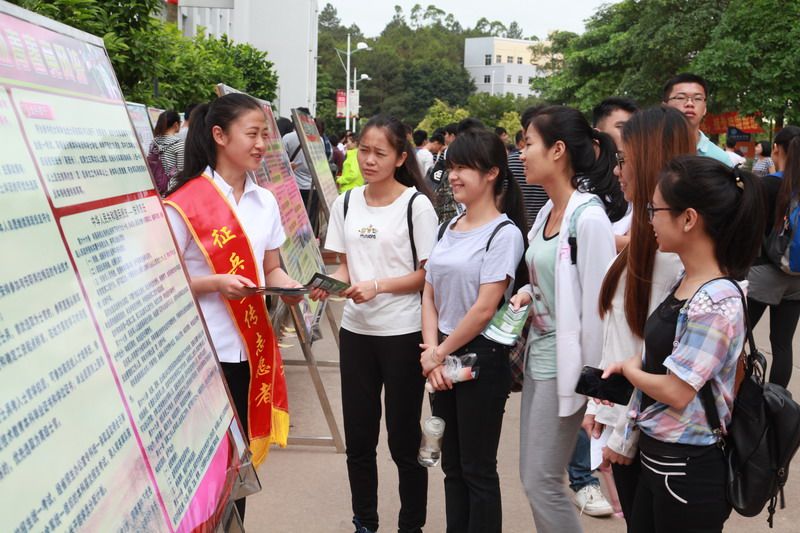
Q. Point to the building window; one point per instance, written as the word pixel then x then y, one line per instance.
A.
pixel 498 58
pixel 519 80
pixel 519 61
pixel 508 78
pixel 487 78
pixel 487 59
pixel 510 59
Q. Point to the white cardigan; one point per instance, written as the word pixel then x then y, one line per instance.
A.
pixel 579 330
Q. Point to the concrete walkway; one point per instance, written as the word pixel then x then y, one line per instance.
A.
pixel 305 489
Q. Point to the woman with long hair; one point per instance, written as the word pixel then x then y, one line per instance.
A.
pixel 769 286
pixel 167 148
pixel 640 276
pixel 762 162
pixel 711 216
pixel 470 272
pixel 571 241
pixel 228 231
pixel 384 232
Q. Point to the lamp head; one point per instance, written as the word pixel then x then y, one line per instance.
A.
pixel 362 46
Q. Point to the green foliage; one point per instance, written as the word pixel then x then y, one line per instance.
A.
pixel 752 65
pixel 154 63
pixel 511 122
pixel 440 115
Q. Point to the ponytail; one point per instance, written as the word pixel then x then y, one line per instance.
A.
pixel 200 147
pixel 592 154
pixel 789 141
pixel 730 202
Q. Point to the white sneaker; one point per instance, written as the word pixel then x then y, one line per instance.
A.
pixel 590 500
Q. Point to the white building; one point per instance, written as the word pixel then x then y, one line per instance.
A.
pixel 286 30
pixel 501 66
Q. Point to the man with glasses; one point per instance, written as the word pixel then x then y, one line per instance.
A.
pixel 688 93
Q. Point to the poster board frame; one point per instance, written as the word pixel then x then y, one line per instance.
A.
pixel 11 86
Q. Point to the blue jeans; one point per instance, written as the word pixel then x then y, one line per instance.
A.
pixel 579 468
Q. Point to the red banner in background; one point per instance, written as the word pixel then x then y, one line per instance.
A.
pixel 716 124
pixel 341 104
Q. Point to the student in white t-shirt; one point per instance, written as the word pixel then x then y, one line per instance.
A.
pixel 382 257
pixel 470 272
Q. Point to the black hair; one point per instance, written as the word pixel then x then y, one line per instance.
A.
pixel 469 123
pixel 729 201
pixel 408 173
pixel 285 125
pixel 482 150
pixel 201 149
pixel 499 130
pixel 789 141
pixel 165 121
pixel 686 77
pixel 304 110
pixel 609 105
pixel 420 136
pixel 592 173
pixel 187 111
pixel 528 115
pixel 519 136
pixel 766 148
pixel 730 143
pixel 451 129
pixel 438 131
pixel 437 138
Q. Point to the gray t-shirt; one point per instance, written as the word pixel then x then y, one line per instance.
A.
pixel 459 264
pixel 301 173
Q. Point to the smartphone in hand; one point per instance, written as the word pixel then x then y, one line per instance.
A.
pixel 615 388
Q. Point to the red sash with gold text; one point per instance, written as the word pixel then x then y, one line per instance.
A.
pixel 219 235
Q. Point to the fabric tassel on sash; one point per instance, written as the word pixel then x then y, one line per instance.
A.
pixel 219 235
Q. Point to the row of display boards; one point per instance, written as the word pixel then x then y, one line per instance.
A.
pixel 114 414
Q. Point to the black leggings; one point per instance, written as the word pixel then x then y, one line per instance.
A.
pixel 782 325
pixel 237 376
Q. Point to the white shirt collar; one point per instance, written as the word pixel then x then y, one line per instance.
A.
pixel 249 185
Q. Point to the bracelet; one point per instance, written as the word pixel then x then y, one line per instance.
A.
pixel 376 286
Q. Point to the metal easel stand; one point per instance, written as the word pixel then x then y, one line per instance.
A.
pixel 313 365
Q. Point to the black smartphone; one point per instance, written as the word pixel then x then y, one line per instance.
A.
pixel 615 388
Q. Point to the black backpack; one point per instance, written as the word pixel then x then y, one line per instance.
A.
pixel 409 220
pixel 762 438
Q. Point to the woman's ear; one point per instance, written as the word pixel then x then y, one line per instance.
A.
pixel 401 159
pixel 218 135
pixel 492 174
pixel 690 219
pixel 559 149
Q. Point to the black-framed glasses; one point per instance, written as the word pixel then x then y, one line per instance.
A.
pixel 620 159
pixel 683 98
pixel 651 211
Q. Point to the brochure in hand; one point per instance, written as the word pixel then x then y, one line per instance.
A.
pixel 327 284
pixel 282 291
pixel 506 325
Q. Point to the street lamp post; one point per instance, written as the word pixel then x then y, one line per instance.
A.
pixel 356 79
pixel 361 45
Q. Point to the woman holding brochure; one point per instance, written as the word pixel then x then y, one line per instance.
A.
pixel 470 272
pixel 228 230
pixel 384 231
pixel 571 242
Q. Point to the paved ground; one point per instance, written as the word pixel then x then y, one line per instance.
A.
pixel 305 489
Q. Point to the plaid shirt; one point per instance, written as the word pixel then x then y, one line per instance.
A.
pixel 709 338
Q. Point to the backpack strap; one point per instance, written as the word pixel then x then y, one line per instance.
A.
pixel 296 151
pixel 573 227
pixel 346 201
pixel 497 229
pixel 410 221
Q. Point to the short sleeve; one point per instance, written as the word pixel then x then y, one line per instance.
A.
pixel 179 228
pixel 425 226
pixel 503 256
pixel 703 349
pixel 334 238
pixel 276 235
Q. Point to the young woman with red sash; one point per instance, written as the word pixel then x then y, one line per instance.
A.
pixel 228 230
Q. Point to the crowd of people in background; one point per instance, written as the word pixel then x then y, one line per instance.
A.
pixel 629 236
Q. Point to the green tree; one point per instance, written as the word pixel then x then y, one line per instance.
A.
pixel 752 66
pixel 511 122
pixel 440 115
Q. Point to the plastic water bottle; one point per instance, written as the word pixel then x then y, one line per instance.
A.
pixel 430 449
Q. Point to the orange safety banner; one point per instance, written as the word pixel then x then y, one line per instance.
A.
pixel 219 235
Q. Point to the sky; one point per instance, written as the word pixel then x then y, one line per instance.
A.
pixel 537 17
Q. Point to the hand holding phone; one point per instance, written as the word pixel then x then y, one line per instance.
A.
pixel 616 388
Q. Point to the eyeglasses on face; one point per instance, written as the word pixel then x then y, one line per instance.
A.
pixel 683 98
pixel 620 159
pixel 651 211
